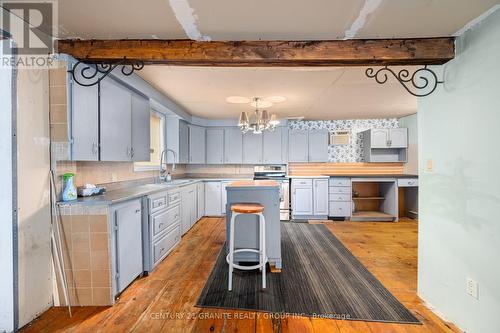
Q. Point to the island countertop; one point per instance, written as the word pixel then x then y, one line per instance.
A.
pixel 253 184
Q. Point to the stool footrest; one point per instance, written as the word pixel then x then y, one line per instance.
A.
pixel 248 268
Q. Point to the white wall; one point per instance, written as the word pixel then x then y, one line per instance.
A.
pixel 459 225
pixel 6 246
pixel 35 275
pixel 411 122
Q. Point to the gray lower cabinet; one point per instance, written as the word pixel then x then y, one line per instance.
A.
pixel 84 122
pixel 164 229
pixel 215 146
pixel 272 147
pixel 340 197
pixel 320 197
pixel 302 197
pixel 115 122
pixel 233 146
pixel 188 207
pixel 197 141
pixel 252 148
pixel 183 142
pixel 318 146
pixel 298 146
pixel 128 243
pixel 200 201
pixel 141 122
pixel 213 198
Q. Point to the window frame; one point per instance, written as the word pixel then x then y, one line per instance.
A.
pixel 163 141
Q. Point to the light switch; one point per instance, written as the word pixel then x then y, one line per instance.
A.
pixel 429 166
pixel 114 177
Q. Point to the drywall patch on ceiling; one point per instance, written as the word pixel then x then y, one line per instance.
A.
pixel 369 7
pixel 477 20
pixel 187 19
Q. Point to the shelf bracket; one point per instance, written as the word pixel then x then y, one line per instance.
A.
pixel 90 74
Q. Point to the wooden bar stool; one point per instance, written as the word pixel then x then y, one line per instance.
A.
pixel 255 209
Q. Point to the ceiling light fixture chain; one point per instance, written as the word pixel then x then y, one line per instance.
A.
pixel 420 83
pixel 88 75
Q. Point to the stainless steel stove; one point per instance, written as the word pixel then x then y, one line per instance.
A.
pixel 279 173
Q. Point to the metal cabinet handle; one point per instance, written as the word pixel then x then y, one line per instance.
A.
pixel 160 225
pixel 137 211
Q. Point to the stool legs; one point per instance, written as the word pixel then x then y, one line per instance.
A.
pixel 231 250
pixel 262 248
pixel 261 251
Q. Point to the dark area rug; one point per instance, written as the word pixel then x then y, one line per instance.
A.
pixel 320 277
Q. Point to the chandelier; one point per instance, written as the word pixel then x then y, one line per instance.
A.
pixel 262 121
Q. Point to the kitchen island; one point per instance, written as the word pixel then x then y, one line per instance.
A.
pixel 266 193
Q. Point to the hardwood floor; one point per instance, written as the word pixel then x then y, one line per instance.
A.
pixel 163 301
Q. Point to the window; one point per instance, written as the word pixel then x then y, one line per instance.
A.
pixel 157 143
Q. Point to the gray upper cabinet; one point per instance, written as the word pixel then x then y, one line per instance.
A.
pixel 379 138
pixel 252 148
pixel 398 137
pixel 272 146
pixel 318 146
pixel 141 141
pixel 115 122
pixel 298 147
pixel 215 146
pixel 233 146
pixel 197 141
pixel 183 142
pixel 84 123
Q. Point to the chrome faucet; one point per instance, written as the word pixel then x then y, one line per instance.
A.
pixel 163 162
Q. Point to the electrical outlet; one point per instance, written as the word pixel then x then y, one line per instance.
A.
pixel 472 288
pixel 429 167
pixel 114 177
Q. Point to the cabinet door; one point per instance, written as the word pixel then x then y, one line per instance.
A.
pixel 200 188
pixel 128 223
pixel 141 136
pixel 320 196
pixel 272 147
pixel 223 197
pixel 298 147
pixel 85 123
pixel 215 146
pixel 379 137
pixel 193 211
pixel 183 142
pixel 398 137
pixel 116 122
pixel 233 146
pixel 252 148
pixel 302 201
pixel 213 199
pixel 318 146
pixel 196 144
pixel 185 210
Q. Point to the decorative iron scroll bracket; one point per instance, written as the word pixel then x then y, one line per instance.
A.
pixel 420 83
pixel 88 75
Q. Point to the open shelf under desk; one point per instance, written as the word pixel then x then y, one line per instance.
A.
pixel 374 216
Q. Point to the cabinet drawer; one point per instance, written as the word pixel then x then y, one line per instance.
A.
pixel 340 209
pixel 164 245
pixel 340 182
pixel 164 219
pixel 408 182
pixel 302 182
pixel 339 190
pixel 340 197
pixel 158 202
pixel 174 197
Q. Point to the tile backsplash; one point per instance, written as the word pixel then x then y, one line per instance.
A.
pixel 353 152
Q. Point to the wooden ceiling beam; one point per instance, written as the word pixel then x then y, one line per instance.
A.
pixel 420 51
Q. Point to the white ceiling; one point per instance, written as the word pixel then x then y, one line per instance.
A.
pixel 266 19
pixel 315 93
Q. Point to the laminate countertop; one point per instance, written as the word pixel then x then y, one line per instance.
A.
pixel 133 192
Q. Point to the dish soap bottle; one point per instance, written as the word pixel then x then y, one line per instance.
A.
pixel 69 192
